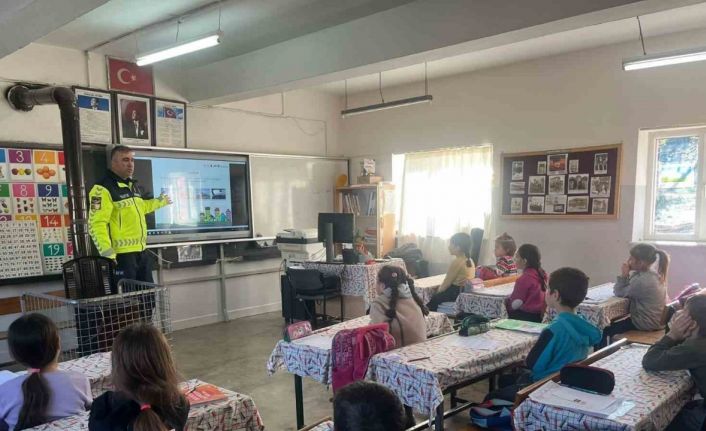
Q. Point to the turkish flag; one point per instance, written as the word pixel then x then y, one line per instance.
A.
pixel 127 76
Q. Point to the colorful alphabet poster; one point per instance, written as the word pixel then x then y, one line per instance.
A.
pixel 34 220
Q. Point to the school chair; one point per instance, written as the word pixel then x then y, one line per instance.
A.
pixel 642 337
pixel 476 241
pixel 650 337
pixel 312 285
pixel 524 393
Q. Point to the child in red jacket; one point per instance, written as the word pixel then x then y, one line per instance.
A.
pixel 527 299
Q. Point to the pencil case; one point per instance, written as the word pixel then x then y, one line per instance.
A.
pixel 297 330
pixel 592 379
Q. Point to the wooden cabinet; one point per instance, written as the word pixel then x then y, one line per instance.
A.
pixel 373 206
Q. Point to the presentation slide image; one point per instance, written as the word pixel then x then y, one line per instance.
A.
pixel 200 191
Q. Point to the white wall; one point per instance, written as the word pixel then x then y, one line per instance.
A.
pixel 307 125
pixel 572 100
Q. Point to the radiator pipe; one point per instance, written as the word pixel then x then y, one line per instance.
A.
pixel 23 98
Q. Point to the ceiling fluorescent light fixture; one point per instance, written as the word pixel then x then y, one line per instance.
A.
pixel 665 59
pixel 181 48
pixel 387 105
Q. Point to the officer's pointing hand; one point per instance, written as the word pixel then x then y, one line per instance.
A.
pixel 167 198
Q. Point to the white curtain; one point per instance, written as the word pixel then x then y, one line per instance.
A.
pixel 444 192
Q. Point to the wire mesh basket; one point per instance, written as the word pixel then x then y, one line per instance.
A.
pixel 90 325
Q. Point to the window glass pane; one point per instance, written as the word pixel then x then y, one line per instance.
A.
pixel 676 184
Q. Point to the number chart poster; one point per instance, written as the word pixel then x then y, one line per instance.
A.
pixel 34 221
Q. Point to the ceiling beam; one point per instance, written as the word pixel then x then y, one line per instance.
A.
pixel 24 21
pixel 424 30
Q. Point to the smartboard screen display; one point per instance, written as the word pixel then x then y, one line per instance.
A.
pixel 210 195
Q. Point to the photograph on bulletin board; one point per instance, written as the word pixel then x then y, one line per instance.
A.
pixel 95 113
pixel 33 215
pixel 571 183
pixel 169 123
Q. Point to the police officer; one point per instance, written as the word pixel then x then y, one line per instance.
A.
pixel 116 220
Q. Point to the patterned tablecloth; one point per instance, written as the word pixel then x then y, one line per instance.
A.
pixel 237 412
pixel 315 362
pixel 599 312
pixel 325 426
pixel 658 397
pixel 96 367
pixel 356 280
pixel 420 373
pixel 427 287
pixel 486 301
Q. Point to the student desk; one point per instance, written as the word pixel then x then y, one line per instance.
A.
pixel 237 412
pixel 602 310
pixel 96 367
pixel 304 360
pixel 447 365
pixel 356 279
pixel 486 301
pixel 658 397
pixel 426 287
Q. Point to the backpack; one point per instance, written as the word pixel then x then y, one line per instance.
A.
pixel 352 349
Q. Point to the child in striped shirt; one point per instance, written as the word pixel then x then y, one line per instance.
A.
pixel 505 248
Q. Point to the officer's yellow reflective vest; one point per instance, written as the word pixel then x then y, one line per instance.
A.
pixel 116 218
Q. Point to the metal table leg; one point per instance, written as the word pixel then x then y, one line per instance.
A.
pixel 439 418
pixel 299 401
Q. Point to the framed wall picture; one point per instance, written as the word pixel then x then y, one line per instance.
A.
pixel 133 119
pixel 557 163
pixel 574 183
pixel 95 113
pixel 169 123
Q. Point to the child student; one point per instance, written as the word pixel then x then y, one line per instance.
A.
pixel 45 393
pixel 646 289
pixel 461 269
pixel 684 348
pixel 527 299
pixel 505 249
pixel 148 396
pixel 367 406
pixel 397 303
pixel 567 339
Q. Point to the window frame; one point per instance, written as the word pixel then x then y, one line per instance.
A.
pixel 651 201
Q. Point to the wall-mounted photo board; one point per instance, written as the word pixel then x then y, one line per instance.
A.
pixel 582 183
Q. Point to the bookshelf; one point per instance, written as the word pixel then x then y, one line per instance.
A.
pixel 373 206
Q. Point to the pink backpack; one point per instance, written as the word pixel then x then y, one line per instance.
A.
pixel 352 349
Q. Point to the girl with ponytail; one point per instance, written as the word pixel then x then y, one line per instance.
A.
pixel 646 289
pixel 526 302
pixel 398 304
pixel 147 396
pixel 461 269
pixel 43 394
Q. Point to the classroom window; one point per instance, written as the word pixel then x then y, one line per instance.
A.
pixel 444 191
pixel 676 190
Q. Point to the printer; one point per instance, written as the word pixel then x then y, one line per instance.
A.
pixel 300 245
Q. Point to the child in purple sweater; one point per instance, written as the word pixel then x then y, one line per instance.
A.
pixel 527 299
pixel 45 393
